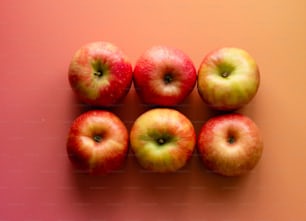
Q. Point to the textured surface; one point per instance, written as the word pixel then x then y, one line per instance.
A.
pixel 38 39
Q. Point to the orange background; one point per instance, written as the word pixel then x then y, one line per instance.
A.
pixel 38 39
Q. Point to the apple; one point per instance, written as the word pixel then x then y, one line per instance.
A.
pixel 164 76
pixel 230 144
pixel 228 78
pixel 162 140
pixel 97 142
pixel 100 74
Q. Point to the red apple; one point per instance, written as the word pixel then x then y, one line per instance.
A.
pixel 97 142
pixel 230 145
pixel 164 76
pixel 162 140
pixel 100 74
pixel 228 78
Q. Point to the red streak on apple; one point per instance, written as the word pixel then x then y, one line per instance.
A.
pixel 97 142
pixel 230 144
pixel 100 74
pixel 164 76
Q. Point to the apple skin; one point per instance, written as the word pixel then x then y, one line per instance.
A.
pixel 228 78
pixel 100 74
pixel 97 142
pixel 162 140
pixel 164 76
pixel 230 144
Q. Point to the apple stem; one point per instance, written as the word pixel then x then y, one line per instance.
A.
pixel 98 73
pixel 168 78
pixel 161 141
pixel 231 140
pixel 225 74
pixel 97 138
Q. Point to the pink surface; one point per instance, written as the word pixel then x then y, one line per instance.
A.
pixel 38 39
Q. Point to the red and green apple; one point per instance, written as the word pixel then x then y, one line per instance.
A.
pixel 230 144
pixel 100 74
pixel 162 140
pixel 97 142
pixel 228 78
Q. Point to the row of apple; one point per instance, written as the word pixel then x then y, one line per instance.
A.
pixel 163 139
pixel 101 75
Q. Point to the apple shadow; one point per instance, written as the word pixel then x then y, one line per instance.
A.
pixel 217 188
pixel 99 193
pixel 129 108
pixel 252 108
pixel 196 110
pixel 161 190
pixel 77 107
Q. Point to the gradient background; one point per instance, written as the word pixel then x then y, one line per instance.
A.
pixel 38 39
